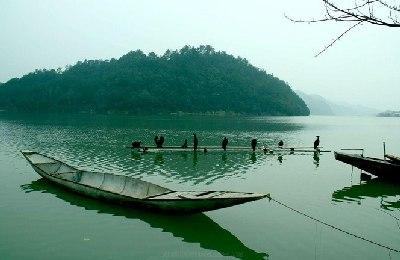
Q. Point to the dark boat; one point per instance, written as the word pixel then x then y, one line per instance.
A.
pixel 378 167
pixel 393 159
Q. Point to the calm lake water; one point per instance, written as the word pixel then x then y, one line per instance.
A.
pixel 41 221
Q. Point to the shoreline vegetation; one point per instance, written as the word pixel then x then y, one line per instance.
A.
pixel 389 113
pixel 192 80
pixel 129 113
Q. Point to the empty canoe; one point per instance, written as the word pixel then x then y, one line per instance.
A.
pixel 132 191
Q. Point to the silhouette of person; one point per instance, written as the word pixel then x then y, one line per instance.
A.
pixel 224 143
pixel 195 142
pixel 253 144
pixel 280 144
pixel 185 144
pixel 316 142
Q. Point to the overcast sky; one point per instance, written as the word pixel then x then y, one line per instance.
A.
pixel 362 68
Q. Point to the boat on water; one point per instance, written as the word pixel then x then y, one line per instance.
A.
pixel 132 191
pixel 393 159
pixel 378 167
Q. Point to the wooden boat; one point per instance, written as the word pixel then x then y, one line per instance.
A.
pixel 135 192
pixel 375 166
pixel 393 159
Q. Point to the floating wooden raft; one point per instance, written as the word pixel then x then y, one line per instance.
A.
pixel 131 191
pixel 219 149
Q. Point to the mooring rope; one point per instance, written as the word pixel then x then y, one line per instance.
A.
pixel 334 227
pixel 396 218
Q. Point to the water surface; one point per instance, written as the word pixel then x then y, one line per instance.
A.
pixel 40 220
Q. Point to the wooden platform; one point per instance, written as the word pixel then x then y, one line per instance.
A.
pixel 228 149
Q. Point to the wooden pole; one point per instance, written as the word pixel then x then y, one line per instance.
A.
pixel 384 151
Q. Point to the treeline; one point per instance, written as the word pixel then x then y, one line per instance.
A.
pixel 194 80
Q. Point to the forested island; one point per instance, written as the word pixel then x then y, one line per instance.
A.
pixel 189 80
pixel 389 113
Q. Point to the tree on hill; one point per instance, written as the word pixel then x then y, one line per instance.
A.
pixel 195 80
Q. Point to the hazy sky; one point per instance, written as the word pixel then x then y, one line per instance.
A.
pixel 362 68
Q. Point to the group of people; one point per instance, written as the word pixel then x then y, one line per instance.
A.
pixel 159 141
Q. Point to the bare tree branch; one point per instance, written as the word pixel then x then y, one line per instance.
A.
pixel 391 7
pixel 338 38
pixel 361 11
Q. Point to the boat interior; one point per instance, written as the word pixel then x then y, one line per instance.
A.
pixel 120 184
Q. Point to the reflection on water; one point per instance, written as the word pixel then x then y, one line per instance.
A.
pixel 316 158
pixel 196 228
pixel 97 143
pixel 159 159
pixel 375 188
pixel 253 157
pixel 135 156
pixel 224 158
pixel 195 159
pixel 280 159
pixel 200 167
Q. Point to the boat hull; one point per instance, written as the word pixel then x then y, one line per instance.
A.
pixel 159 199
pixel 378 167
pixel 393 159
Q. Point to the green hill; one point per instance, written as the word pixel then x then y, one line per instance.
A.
pixel 194 80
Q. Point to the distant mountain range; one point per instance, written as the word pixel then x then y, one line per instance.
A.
pixel 318 105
